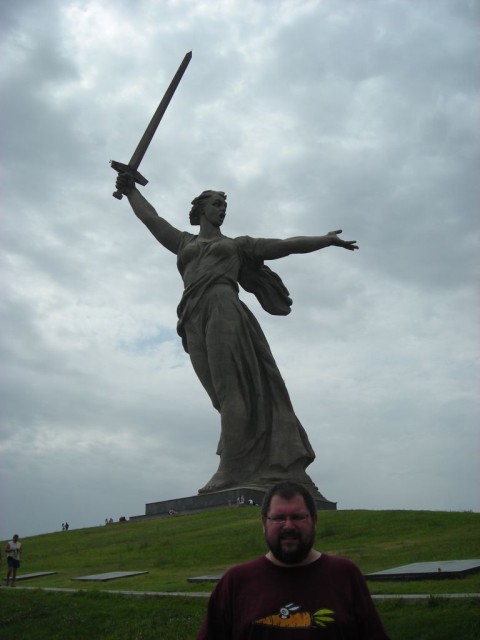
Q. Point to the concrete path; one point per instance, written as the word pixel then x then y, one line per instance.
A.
pixel 190 594
pixel 409 598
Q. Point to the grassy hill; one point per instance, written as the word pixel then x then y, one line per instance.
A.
pixel 174 549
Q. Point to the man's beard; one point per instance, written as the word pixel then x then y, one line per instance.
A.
pixel 293 555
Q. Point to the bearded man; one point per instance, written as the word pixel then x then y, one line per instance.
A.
pixel 294 591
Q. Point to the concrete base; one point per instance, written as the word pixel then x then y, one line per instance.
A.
pixel 217 500
pixel 111 575
pixel 439 570
pixel 31 576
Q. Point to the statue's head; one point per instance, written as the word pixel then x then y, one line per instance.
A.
pixel 198 204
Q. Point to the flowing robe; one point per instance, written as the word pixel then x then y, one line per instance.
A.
pixel 261 438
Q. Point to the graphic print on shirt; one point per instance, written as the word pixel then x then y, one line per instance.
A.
pixel 290 616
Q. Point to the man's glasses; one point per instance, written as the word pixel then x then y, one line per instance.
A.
pixel 296 518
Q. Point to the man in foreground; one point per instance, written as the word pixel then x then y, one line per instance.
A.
pixel 294 591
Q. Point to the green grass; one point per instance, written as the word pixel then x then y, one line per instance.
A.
pixel 174 549
pixel 36 615
pixel 97 616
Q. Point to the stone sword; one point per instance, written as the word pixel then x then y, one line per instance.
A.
pixel 132 167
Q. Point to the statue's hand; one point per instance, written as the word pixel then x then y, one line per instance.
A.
pixel 125 183
pixel 351 245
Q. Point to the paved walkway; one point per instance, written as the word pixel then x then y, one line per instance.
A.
pixel 409 598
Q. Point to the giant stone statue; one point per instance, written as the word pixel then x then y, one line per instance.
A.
pixel 261 438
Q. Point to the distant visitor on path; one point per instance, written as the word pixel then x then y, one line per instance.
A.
pixel 294 591
pixel 13 551
pixel 261 439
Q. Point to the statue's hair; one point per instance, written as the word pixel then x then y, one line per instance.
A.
pixel 289 490
pixel 199 204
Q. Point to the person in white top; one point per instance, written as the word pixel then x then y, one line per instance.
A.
pixel 13 551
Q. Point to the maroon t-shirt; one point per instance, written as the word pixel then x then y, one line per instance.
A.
pixel 258 600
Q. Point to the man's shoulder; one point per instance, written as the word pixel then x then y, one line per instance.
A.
pixel 262 565
pixel 246 569
pixel 338 564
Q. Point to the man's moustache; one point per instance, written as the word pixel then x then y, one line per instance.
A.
pixel 289 535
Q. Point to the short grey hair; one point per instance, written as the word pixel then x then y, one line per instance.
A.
pixel 289 490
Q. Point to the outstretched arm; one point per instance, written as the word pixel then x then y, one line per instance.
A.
pixel 274 249
pixel 163 231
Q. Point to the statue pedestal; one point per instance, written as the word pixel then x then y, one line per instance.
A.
pixel 218 499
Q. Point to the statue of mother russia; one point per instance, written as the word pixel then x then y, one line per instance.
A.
pixel 261 439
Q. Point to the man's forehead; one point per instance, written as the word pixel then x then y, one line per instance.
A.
pixel 295 502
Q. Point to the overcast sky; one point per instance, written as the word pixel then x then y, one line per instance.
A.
pixel 312 115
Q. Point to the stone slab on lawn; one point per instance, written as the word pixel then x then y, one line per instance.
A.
pixel 437 570
pixel 111 575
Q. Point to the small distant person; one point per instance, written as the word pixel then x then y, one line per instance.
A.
pixel 63 526
pixel 13 551
pixel 66 526
pixel 294 590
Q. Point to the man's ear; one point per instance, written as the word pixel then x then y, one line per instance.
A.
pixel 264 523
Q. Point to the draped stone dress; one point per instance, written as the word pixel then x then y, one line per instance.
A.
pixel 261 440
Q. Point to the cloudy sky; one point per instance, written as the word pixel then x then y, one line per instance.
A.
pixel 312 115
